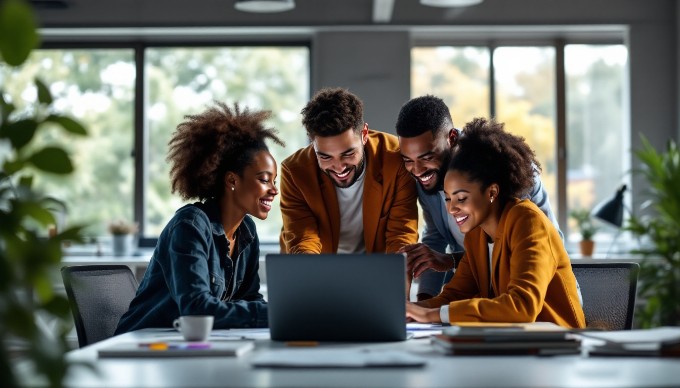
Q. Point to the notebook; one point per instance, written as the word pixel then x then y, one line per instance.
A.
pixel 177 349
pixel 341 297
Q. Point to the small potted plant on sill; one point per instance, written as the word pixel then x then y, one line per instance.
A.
pixel 585 226
pixel 122 233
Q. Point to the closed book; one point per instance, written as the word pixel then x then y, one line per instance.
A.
pixel 449 345
pixel 177 349
pixel 507 332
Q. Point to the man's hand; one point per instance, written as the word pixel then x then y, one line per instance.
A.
pixel 419 257
pixel 421 314
pixel 424 296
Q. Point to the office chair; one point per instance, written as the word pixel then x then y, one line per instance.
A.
pixel 608 291
pixel 99 295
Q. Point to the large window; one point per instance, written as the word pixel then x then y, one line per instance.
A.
pixel 458 75
pixel 521 89
pixel 100 88
pixel 597 139
pixel 96 86
pixel 186 80
pixel 525 102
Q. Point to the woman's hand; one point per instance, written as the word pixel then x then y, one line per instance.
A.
pixel 418 313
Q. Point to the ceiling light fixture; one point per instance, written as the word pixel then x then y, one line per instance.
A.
pixel 264 5
pixel 450 3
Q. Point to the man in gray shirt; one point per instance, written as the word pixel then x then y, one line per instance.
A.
pixel 426 136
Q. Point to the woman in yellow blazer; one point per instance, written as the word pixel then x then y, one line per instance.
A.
pixel 515 267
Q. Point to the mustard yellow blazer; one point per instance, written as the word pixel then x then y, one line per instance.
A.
pixel 531 275
pixel 309 204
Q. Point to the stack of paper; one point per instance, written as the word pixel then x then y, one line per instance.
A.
pixel 538 338
pixel 657 342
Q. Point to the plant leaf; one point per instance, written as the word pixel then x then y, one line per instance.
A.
pixel 52 159
pixel 37 212
pixel 6 108
pixel 12 166
pixel 20 132
pixel 18 35
pixel 68 124
pixel 44 95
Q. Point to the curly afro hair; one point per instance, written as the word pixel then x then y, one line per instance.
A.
pixel 487 154
pixel 422 114
pixel 331 112
pixel 208 145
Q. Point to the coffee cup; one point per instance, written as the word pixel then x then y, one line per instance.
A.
pixel 194 327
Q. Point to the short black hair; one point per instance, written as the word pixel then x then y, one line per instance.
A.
pixel 331 112
pixel 421 114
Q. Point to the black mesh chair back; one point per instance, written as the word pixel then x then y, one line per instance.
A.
pixel 99 295
pixel 608 291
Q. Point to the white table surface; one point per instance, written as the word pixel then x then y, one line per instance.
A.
pixel 440 370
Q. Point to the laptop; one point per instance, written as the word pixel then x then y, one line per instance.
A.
pixel 336 297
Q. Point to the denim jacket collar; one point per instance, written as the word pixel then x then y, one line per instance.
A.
pixel 212 209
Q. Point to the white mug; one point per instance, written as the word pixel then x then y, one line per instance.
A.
pixel 194 327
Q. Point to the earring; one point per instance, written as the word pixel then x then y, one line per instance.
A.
pixel 491 200
pixel 232 188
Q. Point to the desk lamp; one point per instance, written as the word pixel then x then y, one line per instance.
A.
pixel 611 212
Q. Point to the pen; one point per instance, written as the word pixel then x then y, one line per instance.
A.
pixel 154 345
pixel 166 346
pixel 302 343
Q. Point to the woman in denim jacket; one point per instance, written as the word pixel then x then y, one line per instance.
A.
pixel 207 257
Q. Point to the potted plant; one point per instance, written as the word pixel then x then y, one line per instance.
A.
pixel 658 225
pixel 122 232
pixel 584 224
pixel 28 253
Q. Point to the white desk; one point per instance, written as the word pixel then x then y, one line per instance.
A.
pixel 441 371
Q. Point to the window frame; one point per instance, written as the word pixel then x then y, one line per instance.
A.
pixel 139 150
pixel 556 37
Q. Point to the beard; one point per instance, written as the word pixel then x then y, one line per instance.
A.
pixel 440 173
pixel 439 182
pixel 357 169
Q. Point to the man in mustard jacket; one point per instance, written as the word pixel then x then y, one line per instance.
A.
pixel 348 191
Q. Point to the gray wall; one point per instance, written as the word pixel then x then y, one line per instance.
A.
pixel 653 88
pixel 373 65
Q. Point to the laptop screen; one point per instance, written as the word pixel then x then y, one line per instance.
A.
pixel 336 297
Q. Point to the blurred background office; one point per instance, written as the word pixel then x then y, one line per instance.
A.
pixel 579 79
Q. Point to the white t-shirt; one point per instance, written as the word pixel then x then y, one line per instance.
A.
pixel 350 202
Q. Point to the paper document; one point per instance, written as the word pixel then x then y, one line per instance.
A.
pixel 254 334
pixel 660 341
pixel 423 330
pixel 335 358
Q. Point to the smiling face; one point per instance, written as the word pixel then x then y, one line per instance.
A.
pixel 256 189
pixel 341 157
pixel 424 156
pixel 469 204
